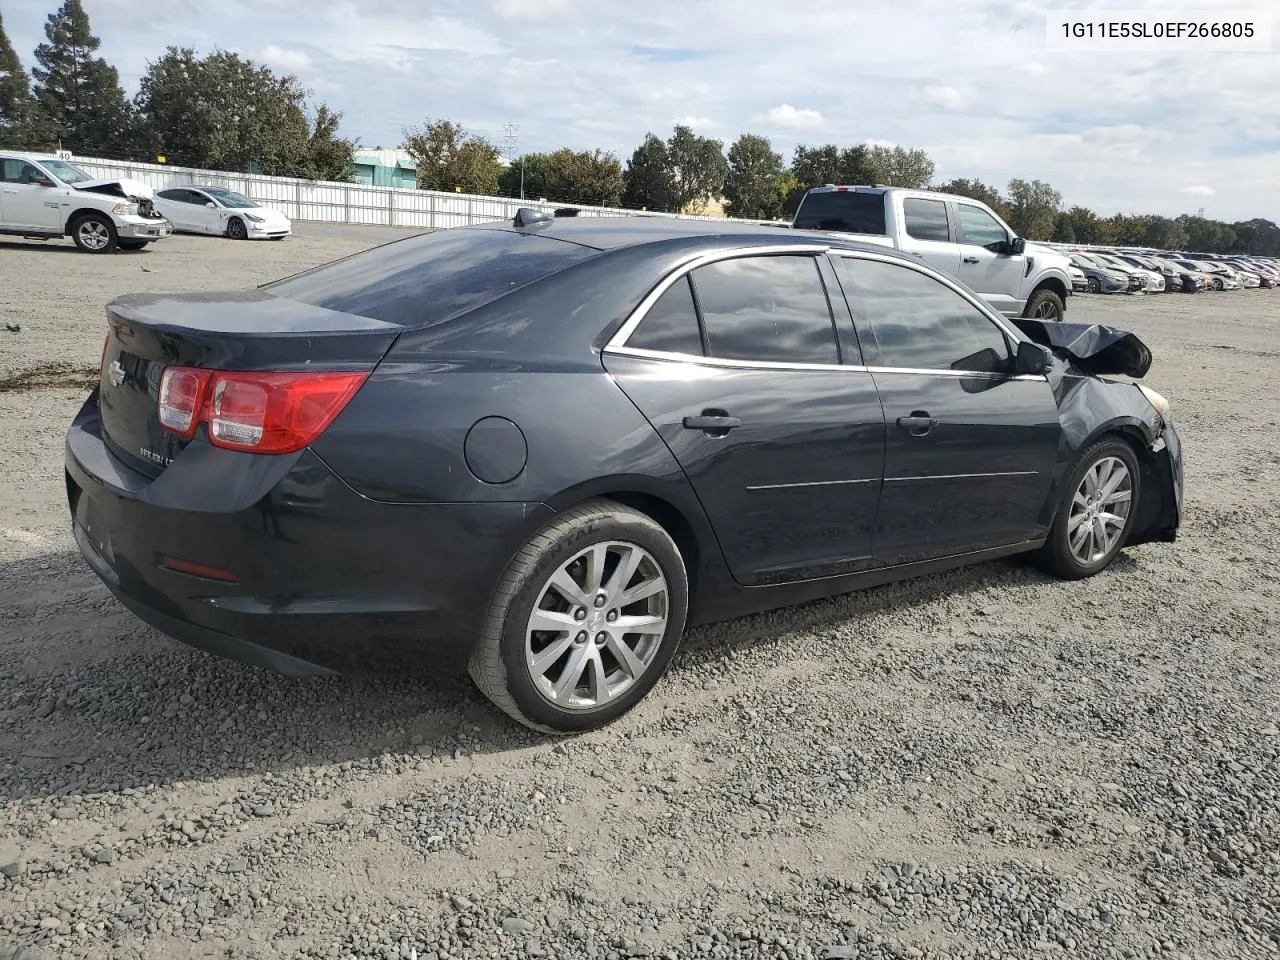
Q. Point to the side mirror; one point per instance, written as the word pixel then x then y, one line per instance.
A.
pixel 211 205
pixel 1017 246
pixel 1032 359
pixel 41 182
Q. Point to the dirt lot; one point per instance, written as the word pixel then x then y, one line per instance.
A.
pixel 985 763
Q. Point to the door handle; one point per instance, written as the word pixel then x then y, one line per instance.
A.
pixel 714 423
pixel 918 424
pixel 971 260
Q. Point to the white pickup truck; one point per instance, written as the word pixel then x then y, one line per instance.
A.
pixel 43 197
pixel 959 236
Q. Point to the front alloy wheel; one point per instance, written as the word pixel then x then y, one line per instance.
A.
pixel 1096 512
pixel 584 621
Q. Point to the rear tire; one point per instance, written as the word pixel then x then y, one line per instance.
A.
pixel 586 669
pixel 94 233
pixel 1045 305
pixel 236 229
pixel 1095 285
pixel 1095 516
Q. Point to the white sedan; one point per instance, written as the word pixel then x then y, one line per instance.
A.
pixel 223 212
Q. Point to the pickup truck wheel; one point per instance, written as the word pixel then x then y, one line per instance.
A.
pixel 94 233
pixel 1045 305
pixel 236 229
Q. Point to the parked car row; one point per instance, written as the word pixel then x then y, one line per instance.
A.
pixel 45 197
pixel 1127 271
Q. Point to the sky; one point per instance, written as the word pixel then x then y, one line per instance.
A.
pixel 970 81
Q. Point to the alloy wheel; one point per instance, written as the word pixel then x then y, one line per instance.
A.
pixel 1048 310
pixel 597 625
pixel 1100 510
pixel 93 234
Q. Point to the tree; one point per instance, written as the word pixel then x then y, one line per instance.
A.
pixel 697 167
pixel 1033 208
pixel 1063 230
pixel 977 190
pixel 901 167
pixel 328 155
pixel 588 177
pixel 648 183
pixel 752 185
pixel 860 165
pixel 1207 236
pixel 534 176
pixel 15 96
pixel 449 158
pixel 78 98
pixel 225 112
pixel 1164 233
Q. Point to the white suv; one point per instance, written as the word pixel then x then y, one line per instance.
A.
pixel 43 197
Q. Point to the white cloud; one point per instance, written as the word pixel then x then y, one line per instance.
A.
pixel 282 58
pixel 695 123
pixel 792 118
pixel 943 97
pixel 1199 190
pixel 529 9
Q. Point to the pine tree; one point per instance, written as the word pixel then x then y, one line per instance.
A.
pixel 78 96
pixel 15 95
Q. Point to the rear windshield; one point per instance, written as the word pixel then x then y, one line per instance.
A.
pixel 430 277
pixel 847 211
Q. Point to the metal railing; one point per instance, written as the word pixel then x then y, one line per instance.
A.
pixel 355 203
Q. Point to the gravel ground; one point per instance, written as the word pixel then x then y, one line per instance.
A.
pixel 985 763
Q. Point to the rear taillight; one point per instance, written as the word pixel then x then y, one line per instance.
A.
pixel 254 412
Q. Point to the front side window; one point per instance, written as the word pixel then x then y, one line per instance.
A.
pixel 19 171
pixel 921 323
pixel 926 219
pixel 978 228
pixel 671 325
pixel 769 309
pixel 231 198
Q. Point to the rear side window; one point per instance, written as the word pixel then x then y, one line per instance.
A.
pixel 842 210
pixel 671 325
pixel 926 219
pixel 920 323
pixel 770 309
pixel 431 277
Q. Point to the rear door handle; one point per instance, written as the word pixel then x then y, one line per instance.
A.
pixel 715 423
pixel 919 423
pixel 972 260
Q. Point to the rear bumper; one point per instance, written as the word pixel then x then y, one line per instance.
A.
pixel 324 580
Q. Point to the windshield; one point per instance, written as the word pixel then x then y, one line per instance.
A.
pixel 66 172
pixel 229 198
pixel 1081 260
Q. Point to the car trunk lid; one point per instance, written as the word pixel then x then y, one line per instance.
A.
pixel 242 331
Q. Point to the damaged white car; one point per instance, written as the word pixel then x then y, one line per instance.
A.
pixel 44 197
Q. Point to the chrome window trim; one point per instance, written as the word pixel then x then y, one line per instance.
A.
pixel 810 483
pixel 641 353
pixel 617 344
pixel 964 476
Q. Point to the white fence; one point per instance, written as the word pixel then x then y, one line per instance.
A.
pixel 346 202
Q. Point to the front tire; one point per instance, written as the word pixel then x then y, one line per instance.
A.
pixel 1045 305
pixel 1095 285
pixel 1095 516
pixel 236 229
pixel 133 244
pixel 584 621
pixel 94 233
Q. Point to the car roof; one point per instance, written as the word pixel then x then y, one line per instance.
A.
pixel 617 232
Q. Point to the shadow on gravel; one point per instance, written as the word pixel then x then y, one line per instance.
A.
pixel 139 709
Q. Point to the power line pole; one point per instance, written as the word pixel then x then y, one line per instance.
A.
pixel 512 139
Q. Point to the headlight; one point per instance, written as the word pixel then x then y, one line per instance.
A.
pixel 255 218
pixel 1160 404
pixel 125 209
